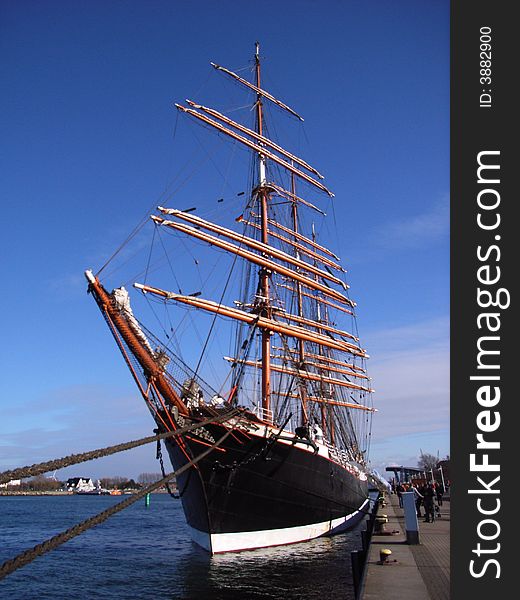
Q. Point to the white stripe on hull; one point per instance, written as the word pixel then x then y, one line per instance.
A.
pixel 249 540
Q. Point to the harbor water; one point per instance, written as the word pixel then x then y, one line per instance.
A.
pixel 146 552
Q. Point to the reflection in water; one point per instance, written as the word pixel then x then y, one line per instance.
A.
pixel 314 570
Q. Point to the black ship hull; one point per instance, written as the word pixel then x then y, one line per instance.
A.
pixel 260 490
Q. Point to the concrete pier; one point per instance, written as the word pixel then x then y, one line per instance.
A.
pixel 412 571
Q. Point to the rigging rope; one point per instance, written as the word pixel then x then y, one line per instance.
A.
pixel 163 198
pixel 29 555
pixel 132 234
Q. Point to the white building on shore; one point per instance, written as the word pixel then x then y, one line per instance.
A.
pixel 12 483
pixel 80 484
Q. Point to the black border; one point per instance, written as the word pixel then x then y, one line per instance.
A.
pixel 475 129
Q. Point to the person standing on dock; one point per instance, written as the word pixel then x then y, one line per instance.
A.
pixel 418 499
pixel 429 512
pixel 439 491
pixel 399 491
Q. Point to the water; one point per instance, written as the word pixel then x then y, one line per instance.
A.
pixel 146 552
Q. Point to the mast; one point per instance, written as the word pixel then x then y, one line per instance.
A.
pixel 264 273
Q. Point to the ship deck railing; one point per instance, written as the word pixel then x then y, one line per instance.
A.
pixel 264 414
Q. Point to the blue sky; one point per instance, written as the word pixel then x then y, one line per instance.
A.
pixel 91 142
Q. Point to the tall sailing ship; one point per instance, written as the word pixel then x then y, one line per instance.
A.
pixel 291 464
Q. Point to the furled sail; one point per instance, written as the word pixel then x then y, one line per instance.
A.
pixel 257 89
pixel 259 321
pixel 255 244
pixel 260 138
pixel 303 374
pixel 255 146
pixel 122 303
pixel 255 258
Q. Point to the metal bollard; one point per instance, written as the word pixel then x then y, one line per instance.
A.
pixel 384 555
pixel 380 523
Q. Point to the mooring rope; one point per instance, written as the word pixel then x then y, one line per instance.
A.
pixel 73 459
pixel 29 555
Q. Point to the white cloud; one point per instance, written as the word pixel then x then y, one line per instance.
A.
pixel 416 230
pixel 422 334
pixel 410 371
